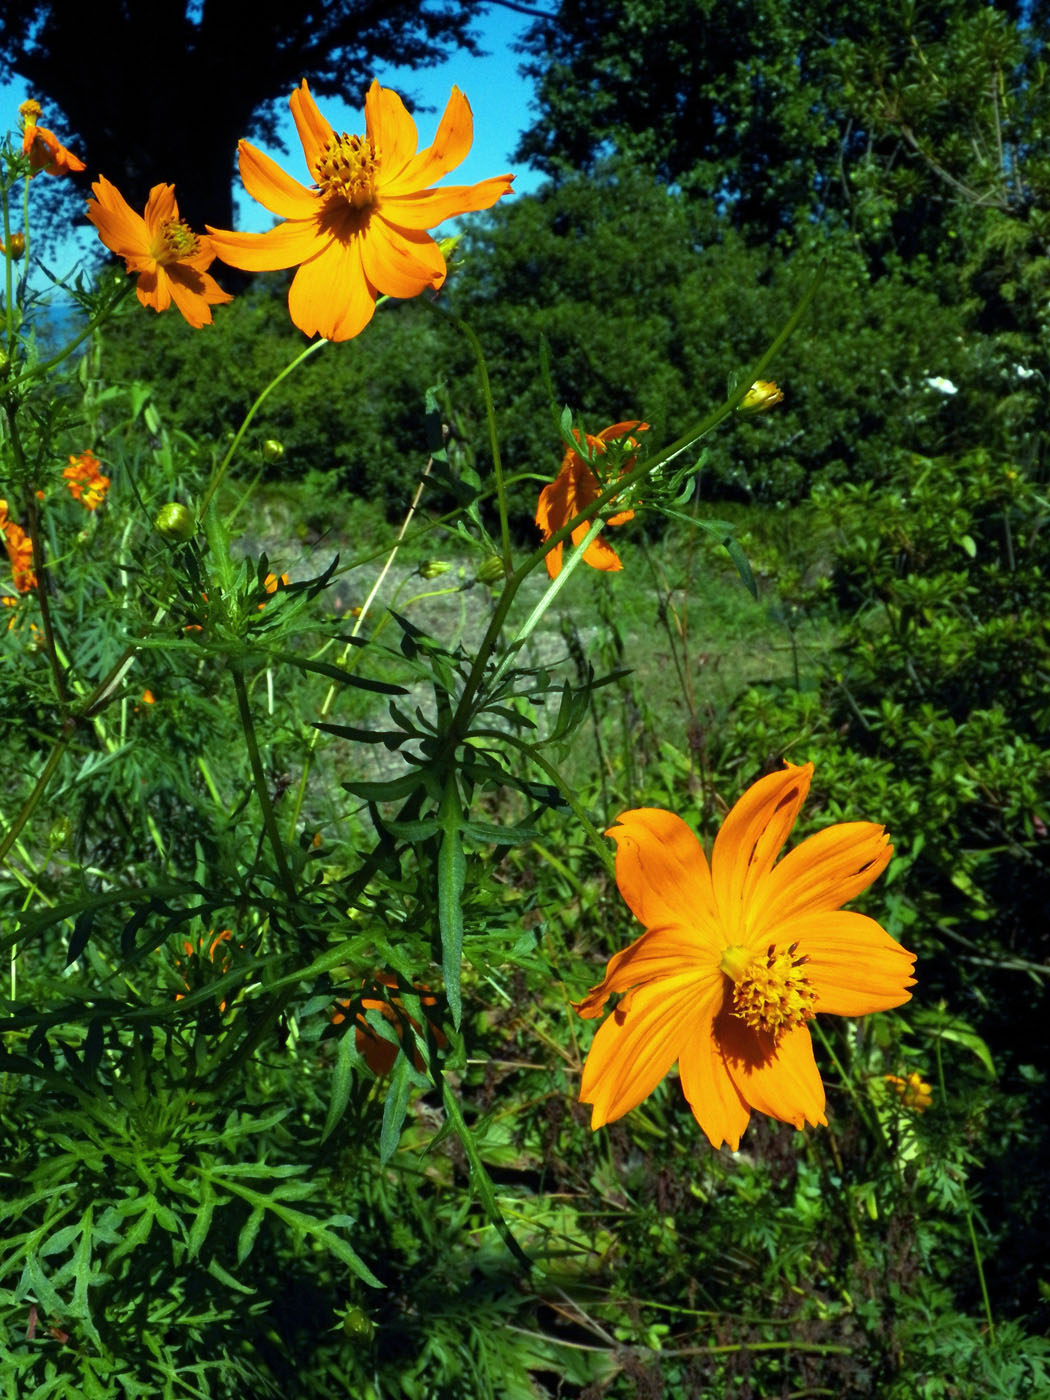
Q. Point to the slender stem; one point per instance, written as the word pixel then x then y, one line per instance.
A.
pixel 262 790
pixel 98 320
pixel 358 624
pixel 220 471
pixel 602 848
pixel 490 418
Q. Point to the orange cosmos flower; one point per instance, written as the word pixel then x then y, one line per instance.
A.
pixel 43 147
pixel 379 1054
pixel 572 490
pixel 170 259
pixel 85 480
pixel 271 583
pixel 737 957
pixel 20 552
pixel 913 1092
pixel 361 230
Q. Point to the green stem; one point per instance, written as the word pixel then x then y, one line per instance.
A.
pixel 220 471
pixel 490 418
pixel 262 790
pixel 601 846
pixel 621 487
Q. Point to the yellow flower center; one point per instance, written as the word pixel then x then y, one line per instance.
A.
pixel 348 168
pixel 175 241
pixel 771 992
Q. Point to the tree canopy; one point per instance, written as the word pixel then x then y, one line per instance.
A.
pixel 871 117
pixel 162 90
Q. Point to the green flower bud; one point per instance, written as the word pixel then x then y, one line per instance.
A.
pixel 433 568
pixel 61 831
pixel 175 522
pixel 357 1323
pixel 272 450
pixel 491 570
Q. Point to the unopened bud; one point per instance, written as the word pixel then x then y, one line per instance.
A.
pixel 175 522
pixel 16 246
pixel 272 450
pixel 433 568
pixel 762 395
pixel 491 570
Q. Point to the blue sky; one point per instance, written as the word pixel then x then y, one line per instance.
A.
pixel 498 97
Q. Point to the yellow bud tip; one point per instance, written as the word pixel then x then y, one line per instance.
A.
pixel 762 396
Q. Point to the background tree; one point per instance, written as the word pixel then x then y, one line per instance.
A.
pixel 163 89
pixel 875 118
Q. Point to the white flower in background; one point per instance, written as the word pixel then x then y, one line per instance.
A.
pixel 1023 372
pixel 943 386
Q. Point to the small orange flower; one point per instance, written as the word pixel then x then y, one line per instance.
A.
pixel 913 1092
pixel 380 1054
pixel 270 583
pixel 19 551
pixel 148 698
pixel 195 953
pixel 44 149
pixel 738 956
pixel 361 230
pixel 85 480
pixel 170 259
pixel 572 490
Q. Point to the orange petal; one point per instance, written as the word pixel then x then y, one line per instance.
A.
pixel 314 132
pixel 853 964
pixel 615 431
pixel 599 554
pixel 330 294
pixel 783 1082
pixel 711 1093
pixel 400 264
pixel 633 1051
pixel 389 125
pixel 749 841
pixel 267 183
pixel 825 871
pixel 160 207
pixel 153 289
pixel 662 873
pixel 430 207
pixel 455 135
pixel 122 230
pixel 660 953
pixel 282 246
pixel 194 293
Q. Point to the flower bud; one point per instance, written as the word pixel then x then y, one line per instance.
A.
pixel 175 522
pixel 762 395
pixel 491 570
pixel 272 450
pixel 433 568
pixel 16 246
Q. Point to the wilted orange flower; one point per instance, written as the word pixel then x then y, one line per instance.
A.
pixel 43 147
pixel 170 259
pixel 19 551
pixel 572 490
pixel 361 230
pixel 85 479
pixel 737 957
pixel 913 1092
pixel 379 1054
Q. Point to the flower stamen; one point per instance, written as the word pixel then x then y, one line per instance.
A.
pixel 348 168
pixel 175 242
pixel 771 992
